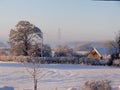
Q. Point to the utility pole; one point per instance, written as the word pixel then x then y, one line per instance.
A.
pixel 59 36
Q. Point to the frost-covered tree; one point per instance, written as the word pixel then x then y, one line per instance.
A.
pixel 117 41
pixel 114 48
pixel 23 37
pixel 46 50
pixel 63 51
pixel 2 52
pixel 115 44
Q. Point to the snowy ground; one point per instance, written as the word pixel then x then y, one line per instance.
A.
pixel 56 76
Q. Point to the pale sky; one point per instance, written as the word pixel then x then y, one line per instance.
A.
pixel 78 20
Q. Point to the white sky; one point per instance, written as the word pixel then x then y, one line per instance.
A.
pixel 78 20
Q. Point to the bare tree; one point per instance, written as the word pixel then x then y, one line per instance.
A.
pixel 25 40
pixel 33 68
pixel 114 48
pixel 23 36
pixel 61 51
pixel 46 50
pixel 2 52
pixel 35 62
pixel 118 41
pixel 115 44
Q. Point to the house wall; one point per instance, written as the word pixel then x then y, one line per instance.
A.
pixel 94 54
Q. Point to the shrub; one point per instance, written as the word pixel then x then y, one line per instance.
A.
pixel 90 61
pixel 71 88
pixel 96 85
pixel 116 62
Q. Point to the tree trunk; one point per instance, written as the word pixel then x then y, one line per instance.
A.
pixel 25 45
pixel 35 79
pixel 35 84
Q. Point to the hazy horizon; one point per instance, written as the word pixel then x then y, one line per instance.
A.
pixel 77 20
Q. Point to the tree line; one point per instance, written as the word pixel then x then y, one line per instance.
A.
pixel 26 40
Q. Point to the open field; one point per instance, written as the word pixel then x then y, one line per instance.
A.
pixel 60 76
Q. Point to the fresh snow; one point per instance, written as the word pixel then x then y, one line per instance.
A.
pixel 56 76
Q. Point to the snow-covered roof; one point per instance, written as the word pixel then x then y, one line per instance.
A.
pixel 106 51
pixel 102 51
pixel 81 52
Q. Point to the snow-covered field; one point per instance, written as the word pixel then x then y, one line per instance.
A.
pixel 56 76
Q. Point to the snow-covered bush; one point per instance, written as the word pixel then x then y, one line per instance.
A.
pixel 90 61
pixel 116 62
pixel 14 58
pixel 96 85
pixel 103 62
pixel 58 60
pixel 118 87
pixel 71 88
pixel 7 88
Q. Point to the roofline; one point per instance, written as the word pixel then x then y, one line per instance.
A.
pixel 97 52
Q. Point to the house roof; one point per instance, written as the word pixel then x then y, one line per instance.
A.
pixel 102 51
pixel 81 52
pixel 105 51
